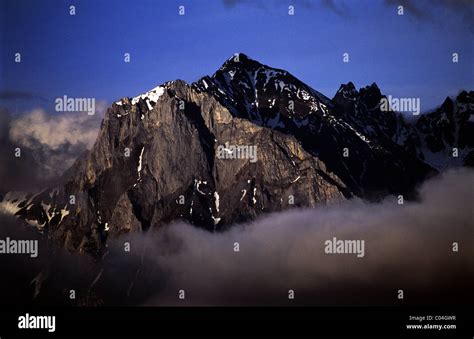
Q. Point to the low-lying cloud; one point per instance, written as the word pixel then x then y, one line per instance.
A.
pixel 408 247
pixel 49 144
pixel 405 246
pixel 38 128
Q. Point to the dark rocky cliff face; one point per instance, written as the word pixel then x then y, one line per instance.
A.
pixel 248 140
pixel 432 138
pixel 273 98
pixel 448 128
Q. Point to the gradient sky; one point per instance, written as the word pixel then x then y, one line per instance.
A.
pixel 82 55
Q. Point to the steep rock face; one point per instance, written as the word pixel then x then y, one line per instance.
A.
pixel 249 139
pixel 158 158
pixel 273 98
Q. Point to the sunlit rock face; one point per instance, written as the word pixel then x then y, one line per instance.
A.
pixel 248 140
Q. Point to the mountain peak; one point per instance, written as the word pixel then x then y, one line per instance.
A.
pixel 371 89
pixel 239 57
pixel 448 104
pixel 299 134
pixel 347 87
pixel 263 94
pixel 374 86
pixel 346 92
pixel 240 60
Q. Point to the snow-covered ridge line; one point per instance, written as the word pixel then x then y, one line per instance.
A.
pixel 150 96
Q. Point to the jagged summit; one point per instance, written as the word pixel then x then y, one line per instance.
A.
pixel 265 95
pixel 175 152
pixel 445 136
pixel 349 91
pixel 448 104
pixel 241 60
pixel 349 87
pixel 432 137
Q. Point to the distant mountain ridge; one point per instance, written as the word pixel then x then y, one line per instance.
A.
pixel 433 137
pixel 155 159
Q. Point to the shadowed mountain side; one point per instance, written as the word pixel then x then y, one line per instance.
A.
pixel 251 139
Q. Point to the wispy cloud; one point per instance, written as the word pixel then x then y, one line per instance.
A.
pixel 49 143
pixel 435 10
pixel 429 11
pixel 20 95
pixel 37 128
pixel 337 7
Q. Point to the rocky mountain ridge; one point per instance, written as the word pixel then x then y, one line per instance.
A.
pixel 161 156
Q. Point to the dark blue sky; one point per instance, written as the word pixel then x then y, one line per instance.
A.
pixel 82 55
